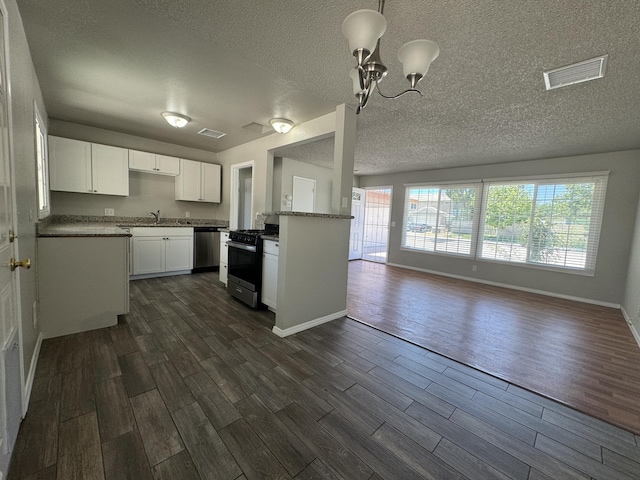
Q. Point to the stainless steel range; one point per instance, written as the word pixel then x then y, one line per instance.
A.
pixel 245 263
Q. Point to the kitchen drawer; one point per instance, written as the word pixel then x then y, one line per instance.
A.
pixel 269 246
pixel 162 231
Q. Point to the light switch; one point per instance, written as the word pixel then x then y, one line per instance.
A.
pixel 109 212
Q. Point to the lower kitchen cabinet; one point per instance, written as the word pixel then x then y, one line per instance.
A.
pixel 83 283
pixel 270 273
pixel 224 256
pixel 162 250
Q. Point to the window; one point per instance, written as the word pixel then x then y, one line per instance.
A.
pixel 441 218
pixel 42 165
pixel 550 222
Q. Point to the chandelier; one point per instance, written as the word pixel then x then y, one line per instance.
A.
pixel 363 29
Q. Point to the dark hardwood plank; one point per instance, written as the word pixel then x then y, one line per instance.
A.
pixel 198 348
pixel 262 387
pixel 468 464
pixel 46 474
pixel 324 446
pixel 124 458
pixel 376 456
pixel 220 411
pixel 151 349
pixel 210 455
pixel 255 459
pixel 182 359
pixel 123 340
pixel 228 381
pixel 80 455
pixel 77 393
pixel 316 470
pixel 178 467
pixel 115 416
pixel 159 435
pixel 171 386
pixel 290 451
pixel 105 362
pixel 135 373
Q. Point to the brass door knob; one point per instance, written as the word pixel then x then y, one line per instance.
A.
pixel 26 263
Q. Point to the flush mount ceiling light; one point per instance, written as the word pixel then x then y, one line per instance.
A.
pixel 281 125
pixel 175 119
pixel 363 29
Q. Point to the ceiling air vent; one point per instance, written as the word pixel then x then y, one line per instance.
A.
pixel 207 132
pixel 576 73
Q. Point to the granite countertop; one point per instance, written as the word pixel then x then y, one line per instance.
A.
pixel 275 238
pixel 96 226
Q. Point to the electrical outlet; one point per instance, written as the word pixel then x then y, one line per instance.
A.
pixel 474 268
pixel 187 214
pixel 109 212
pixel 393 224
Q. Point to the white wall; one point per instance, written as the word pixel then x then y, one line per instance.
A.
pixel 283 172
pixel 631 301
pixel 607 286
pixel 147 191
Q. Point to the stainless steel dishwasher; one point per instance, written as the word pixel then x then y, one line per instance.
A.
pixel 206 249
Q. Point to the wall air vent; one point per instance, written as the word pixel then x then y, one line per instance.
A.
pixel 576 73
pixel 207 132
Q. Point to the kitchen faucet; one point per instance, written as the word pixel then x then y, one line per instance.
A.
pixel 155 215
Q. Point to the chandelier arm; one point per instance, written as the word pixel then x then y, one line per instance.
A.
pixel 398 95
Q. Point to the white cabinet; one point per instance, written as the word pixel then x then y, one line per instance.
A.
pixel 153 163
pixel 198 182
pixel 83 167
pixel 270 273
pixel 224 256
pixel 162 250
pixel 83 283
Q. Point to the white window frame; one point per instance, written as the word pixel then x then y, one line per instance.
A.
pixel 595 224
pixel 443 186
pixel 42 164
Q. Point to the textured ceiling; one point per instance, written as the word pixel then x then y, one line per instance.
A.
pixel 117 64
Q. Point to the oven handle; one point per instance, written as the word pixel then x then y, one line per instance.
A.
pixel 242 246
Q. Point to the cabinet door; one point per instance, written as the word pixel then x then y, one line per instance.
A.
pixel 269 280
pixel 224 256
pixel 167 165
pixel 110 167
pixel 210 183
pixel 70 165
pixel 188 182
pixel 178 253
pixel 142 161
pixel 148 255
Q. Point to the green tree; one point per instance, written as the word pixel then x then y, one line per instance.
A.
pixel 509 207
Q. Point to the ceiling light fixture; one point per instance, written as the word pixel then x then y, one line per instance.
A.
pixel 175 119
pixel 281 125
pixel 363 29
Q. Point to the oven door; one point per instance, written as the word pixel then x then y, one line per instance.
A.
pixel 245 265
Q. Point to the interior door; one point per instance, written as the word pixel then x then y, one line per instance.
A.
pixel 304 194
pixel 357 224
pixel 10 337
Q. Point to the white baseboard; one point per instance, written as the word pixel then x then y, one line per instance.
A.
pixel 632 327
pixel 512 287
pixel 26 394
pixel 310 324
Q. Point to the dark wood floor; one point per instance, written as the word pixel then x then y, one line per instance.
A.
pixel 193 385
pixel 581 355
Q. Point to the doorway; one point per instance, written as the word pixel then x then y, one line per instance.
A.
pixel 357 223
pixel 304 194
pixel 241 196
pixel 377 214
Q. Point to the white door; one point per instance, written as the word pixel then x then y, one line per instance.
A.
pixel 10 335
pixel 304 195
pixel 357 223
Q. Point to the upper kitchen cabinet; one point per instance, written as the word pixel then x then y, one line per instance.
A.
pixel 83 167
pixel 153 163
pixel 198 182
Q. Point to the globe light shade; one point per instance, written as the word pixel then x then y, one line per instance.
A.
pixel 281 125
pixel 175 119
pixel 416 56
pixel 355 76
pixel 363 28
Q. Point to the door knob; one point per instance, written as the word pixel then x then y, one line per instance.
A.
pixel 26 263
